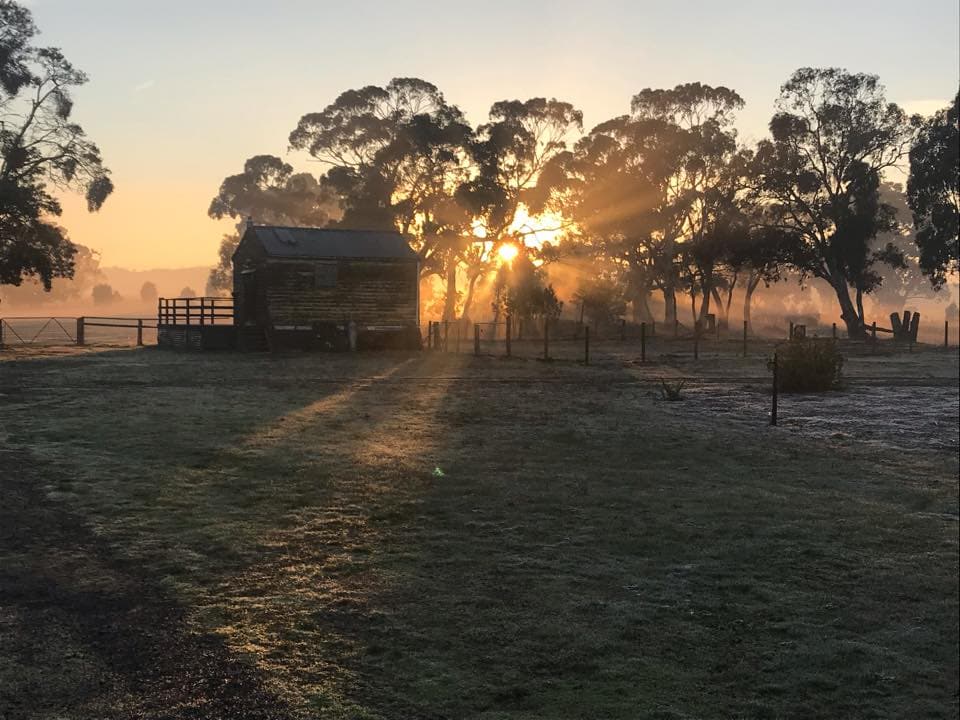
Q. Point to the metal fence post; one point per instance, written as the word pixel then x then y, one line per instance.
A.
pixel 773 411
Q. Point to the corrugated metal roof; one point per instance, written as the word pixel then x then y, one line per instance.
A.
pixel 331 243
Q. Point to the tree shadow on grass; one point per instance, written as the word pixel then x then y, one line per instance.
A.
pixel 77 612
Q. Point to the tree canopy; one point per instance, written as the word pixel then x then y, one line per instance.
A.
pixel 933 192
pixel 41 148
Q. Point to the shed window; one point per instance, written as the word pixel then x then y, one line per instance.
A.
pixel 325 275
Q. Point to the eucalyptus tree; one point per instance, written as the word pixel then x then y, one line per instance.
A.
pixel 617 188
pixel 933 192
pixel 510 155
pixel 651 189
pixel 267 191
pixel 705 185
pixel 833 136
pixel 395 156
pixel 41 148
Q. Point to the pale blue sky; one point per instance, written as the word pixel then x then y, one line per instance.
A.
pixel 182 92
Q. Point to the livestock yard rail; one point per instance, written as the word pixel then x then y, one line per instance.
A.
pixel 195 311
pixel 196 323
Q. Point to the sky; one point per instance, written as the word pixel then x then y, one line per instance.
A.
pixel 181 92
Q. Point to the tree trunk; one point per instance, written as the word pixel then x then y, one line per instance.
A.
pixel 641 305
pixel 450 301
pixel 705 303
pixel 468 300
pixel 753 281
pixel 848 313
pixel 669 305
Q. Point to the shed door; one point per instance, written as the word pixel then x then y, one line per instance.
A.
pixel 250 293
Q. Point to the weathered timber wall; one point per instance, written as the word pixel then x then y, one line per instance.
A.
pixel 369 292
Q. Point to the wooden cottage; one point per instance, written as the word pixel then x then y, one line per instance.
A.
pixel 325 289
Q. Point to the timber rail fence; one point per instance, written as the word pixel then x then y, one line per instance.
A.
pixel 59 330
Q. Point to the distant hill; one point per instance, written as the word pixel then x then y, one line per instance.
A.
pixel 169 281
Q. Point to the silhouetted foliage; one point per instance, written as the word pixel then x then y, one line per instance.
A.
pixel 148 292
pixel 602 299
pixel 31 292
pixel 104 294
pixel 268 191
pixel 933 192
pixel 521 290
pixel 809 365
pixel 188 292
pixel 833 136
pixel 40 147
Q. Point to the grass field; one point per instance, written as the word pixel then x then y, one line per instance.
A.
pixel 437 536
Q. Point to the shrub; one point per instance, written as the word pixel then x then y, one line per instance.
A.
pixel 672 391
pixel 808 365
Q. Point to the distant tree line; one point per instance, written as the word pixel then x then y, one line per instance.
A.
pixel 665 199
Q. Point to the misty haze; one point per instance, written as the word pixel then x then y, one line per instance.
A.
pixel 532 360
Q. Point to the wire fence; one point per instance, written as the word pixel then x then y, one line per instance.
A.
pixel 568 340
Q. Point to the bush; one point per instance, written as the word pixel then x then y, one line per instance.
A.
pixel 808 365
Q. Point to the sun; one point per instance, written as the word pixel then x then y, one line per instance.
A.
pixel 508 252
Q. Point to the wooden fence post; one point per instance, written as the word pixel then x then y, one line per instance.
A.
pixel 676 328
pixel 834 331
pixel 1 332
pixel 586 345
pixel 643 342
pixel 446 335
pixel 773 411
pixel 946 334
pixel 696 341
pixel 476 339
pixel 790 335
pixel 459 329
pixel 623 330
pixel 546 338
pixel 745 326
pixel 139 331
pixel 509 333
pixel 80 338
